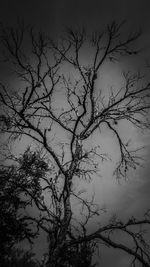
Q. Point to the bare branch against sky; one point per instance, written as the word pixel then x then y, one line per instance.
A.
pixel 63 95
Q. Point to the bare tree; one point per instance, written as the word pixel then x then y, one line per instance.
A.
pixel 59 104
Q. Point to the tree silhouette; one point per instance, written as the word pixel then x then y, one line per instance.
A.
pixel 20 258
pixel 12 229
pixel 59 105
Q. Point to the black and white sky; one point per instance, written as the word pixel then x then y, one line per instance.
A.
pixel 132 196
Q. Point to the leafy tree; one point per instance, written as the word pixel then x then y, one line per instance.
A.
pixel 20 258
pixel 59 105
pixel 12 229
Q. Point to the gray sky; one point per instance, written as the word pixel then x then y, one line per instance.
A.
pixel 132 196
pixel 47 14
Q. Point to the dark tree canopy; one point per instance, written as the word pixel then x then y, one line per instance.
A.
pixel 12 229
pixel 20 258
pixel 58 104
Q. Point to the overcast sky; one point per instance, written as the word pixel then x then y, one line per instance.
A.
pixel 51 16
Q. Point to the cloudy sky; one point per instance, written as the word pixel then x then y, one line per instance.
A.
pixel 132 196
